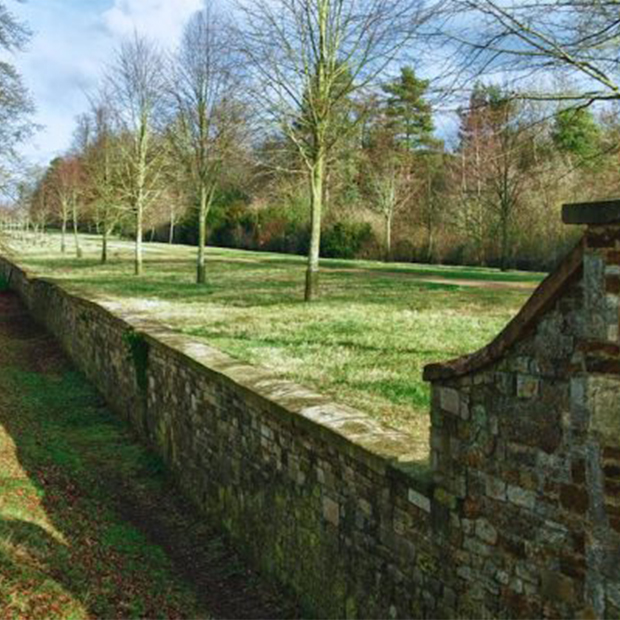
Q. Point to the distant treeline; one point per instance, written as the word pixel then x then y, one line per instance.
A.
pixel 261 140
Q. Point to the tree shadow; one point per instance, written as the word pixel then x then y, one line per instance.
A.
pixel 102 530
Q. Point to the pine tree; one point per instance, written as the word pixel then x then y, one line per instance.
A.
pixel 577 133
pixel 408 114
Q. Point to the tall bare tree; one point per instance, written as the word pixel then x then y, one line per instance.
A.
pixel 495 162
pixel 206 116
pixel 525 40
pixel 389 182
pixel 15 103
pixel 307 58
pixel 65 179
pixel 101 160
pixel 136 83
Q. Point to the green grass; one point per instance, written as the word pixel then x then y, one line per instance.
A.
pixel 91 526
pixel 65 549
pixel 365 341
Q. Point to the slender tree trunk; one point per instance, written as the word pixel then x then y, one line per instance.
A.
pixel 316 205
pixel 143 149
pixel 201 271
pixel 504 243
pixel 104 244
pixel 171 236
pixel 76 236
pixel 63 233
pixel 138 268
pixel 430 242
pixel 388 237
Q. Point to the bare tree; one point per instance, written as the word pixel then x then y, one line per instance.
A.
pixel 308 57
pixel 101 160
pixel 494 164
pixel 136 83
pixel 526 40
pixel 389 182
pixel 206 117
pixel 64 178
pixel 15 103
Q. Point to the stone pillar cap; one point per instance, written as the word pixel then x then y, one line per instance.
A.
pixel 602 212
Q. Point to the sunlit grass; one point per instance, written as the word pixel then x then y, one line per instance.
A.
pixel 65 551
pixel 365 341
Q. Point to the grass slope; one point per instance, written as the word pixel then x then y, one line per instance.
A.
pixel 365 341
pixel 90 526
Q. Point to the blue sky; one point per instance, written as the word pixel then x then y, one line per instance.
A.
pixel 73 40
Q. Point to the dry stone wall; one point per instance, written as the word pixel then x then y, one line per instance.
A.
pixel 521 518
pixel 525 449
pixel 316 495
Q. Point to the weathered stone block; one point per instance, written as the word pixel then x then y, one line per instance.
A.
pixel 521 497
pixel 557 587
pixel 495 488
pixel 449 400
pixel 527 386
pixel 419 500
pixel 331 511
pixel 603 393
pixel 486 532
pixel 574 498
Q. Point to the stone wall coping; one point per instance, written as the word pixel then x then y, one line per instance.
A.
pixel 379 447
pixel 530 314
pixel 592 213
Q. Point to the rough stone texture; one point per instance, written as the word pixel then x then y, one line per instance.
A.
pixel 316 495
pixel 537 531
pixel 522 519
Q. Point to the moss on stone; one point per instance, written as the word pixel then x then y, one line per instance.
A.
pixel 138 349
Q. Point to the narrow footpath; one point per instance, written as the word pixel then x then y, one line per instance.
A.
pixel 90 525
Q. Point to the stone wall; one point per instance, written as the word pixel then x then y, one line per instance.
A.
pixel 316 495
pixel 521 519
pixel 525 440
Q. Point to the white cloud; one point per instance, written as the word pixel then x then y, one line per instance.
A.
pixel 162 20
pixel 73 41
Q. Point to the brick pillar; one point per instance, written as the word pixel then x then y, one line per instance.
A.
pixel 596 394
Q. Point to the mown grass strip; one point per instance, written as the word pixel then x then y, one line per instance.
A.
pixel 365 341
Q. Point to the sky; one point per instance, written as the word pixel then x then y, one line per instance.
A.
pixel 72 42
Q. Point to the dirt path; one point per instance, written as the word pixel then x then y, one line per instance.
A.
pixel 90 525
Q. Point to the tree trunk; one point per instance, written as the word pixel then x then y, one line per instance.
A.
pixel 201 271
pixel 504 244
pixel 430 242
pixel 76 236
pixel 171 236
pixel 104 244
pixel 138 269
pixel 63 233
pixel 388 237
pixel 316 204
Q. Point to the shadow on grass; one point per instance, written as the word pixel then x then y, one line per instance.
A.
pixel 92 526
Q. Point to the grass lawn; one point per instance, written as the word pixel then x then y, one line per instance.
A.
pixel 365 341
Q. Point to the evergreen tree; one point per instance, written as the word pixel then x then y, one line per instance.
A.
pixel 577 133
pixel 408 114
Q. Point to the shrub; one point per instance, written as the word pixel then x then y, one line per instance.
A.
pixel 346 239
